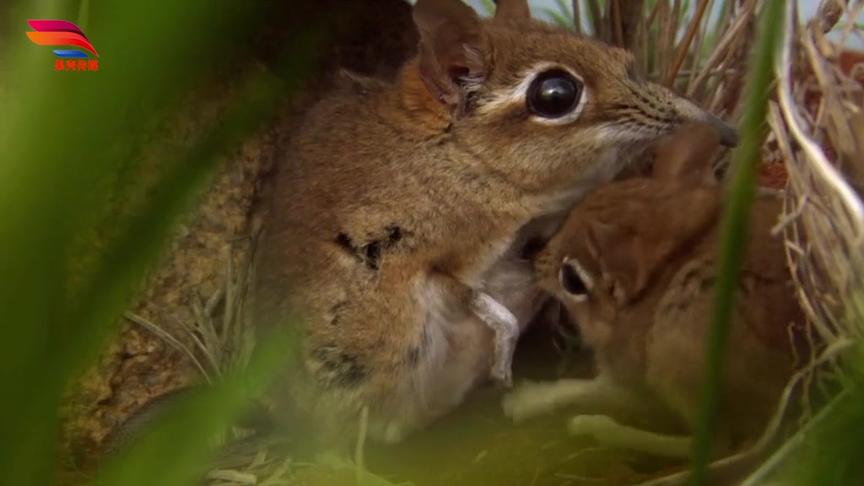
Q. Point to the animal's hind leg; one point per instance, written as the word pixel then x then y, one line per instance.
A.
pixel 609 432
pixel 589 396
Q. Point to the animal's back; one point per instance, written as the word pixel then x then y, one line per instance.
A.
pixel 346 257
pixel 760 358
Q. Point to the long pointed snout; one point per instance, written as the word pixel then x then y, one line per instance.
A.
pixel 690 112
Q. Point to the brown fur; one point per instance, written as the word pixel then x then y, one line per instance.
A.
pixel 395 202
pixel 648 314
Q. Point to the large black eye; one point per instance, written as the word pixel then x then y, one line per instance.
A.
pixel 554 94
pixel 572 281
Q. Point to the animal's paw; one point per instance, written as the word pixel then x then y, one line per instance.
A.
pixel 502 373
pixel 394 433
pixel 527 400
pixel 591 425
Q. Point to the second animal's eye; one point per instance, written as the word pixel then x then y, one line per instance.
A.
pixel 554 93
pixel 574 279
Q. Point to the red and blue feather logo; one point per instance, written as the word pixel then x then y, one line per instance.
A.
pixel 60 33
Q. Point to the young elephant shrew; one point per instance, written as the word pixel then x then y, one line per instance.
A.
pixel 635 265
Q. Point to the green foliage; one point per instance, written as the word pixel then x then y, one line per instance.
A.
pixel 67 138
pixel 825 451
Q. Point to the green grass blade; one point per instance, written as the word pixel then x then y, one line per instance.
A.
pixel 564 8
pixel 742 185
pixel 559 19
pixel 822 451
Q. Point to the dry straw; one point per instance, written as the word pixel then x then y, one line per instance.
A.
pixel 818 123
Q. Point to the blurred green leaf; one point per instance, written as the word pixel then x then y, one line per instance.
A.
pixel 824 451
pixel 65 137
pixel 175 451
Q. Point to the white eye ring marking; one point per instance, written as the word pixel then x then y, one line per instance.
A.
pixel 583 275
pixel 505 98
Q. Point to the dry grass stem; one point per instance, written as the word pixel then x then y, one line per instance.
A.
pixel 826 214
pixel 161 333
pixel 684 47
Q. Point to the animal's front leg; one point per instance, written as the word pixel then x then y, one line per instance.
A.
pixel 506 329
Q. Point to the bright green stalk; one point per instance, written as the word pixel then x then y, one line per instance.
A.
pixel 742 185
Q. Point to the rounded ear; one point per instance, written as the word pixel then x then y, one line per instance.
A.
pixel 621 256
pixel 686 154
pixel 453 49
pixel 512 10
